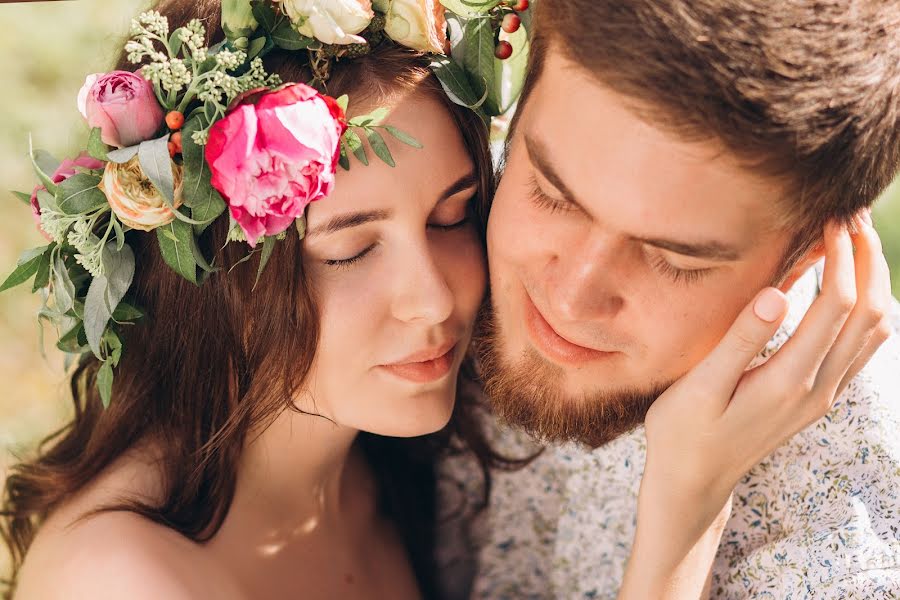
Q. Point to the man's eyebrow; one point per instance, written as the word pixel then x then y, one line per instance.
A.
pixel 463 183
pixel 709 250
pixel 540 158
pixel 354 219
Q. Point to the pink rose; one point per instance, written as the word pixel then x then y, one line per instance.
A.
pixel 273 155
pixel 123 105
pixel 65 170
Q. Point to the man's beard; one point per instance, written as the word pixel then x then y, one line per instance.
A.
pixel 529 393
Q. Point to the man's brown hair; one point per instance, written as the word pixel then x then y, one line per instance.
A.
pixel 807 90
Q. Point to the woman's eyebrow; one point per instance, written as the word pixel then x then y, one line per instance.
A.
pixel 354 219
pixel 463 183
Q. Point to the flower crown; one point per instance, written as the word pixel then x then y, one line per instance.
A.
pixel 199 129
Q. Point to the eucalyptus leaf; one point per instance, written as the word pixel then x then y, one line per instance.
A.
pixel 175 241
pixel 63 288
pixel 378 116
pixel 105 382
pixel 157 166
pixel 126 313
pixel 79 195
pixel 380 147
pixel 343 101
pixel 118 267
pixel 456 84
pixel 257 45
pixel 175 41
pixel 344 157
pixel 120 233
pixel 96 147
pixel 200 259
pixel 122 155
pixel 46 161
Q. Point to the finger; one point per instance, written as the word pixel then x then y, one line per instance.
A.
pixel 879 337
pixel 718 374
pixel 798 361
pixel 872 304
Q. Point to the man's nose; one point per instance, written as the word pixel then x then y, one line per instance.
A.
pixel 583 282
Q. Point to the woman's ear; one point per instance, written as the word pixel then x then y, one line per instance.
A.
pixel 812 256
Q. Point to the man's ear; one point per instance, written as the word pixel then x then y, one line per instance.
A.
pixel 812 256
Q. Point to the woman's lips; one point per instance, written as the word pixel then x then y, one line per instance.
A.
pixel 423 371
pixel 554 346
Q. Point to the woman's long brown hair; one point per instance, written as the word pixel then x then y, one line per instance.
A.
pixel 212 365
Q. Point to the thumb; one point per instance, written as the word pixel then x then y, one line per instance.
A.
pixel 719 373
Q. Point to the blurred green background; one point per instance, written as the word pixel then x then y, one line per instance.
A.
pixel 47 48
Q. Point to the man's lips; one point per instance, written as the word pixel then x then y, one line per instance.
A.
pixel 552 344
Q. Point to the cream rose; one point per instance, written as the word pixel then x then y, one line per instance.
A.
pixel 418 24
pixel 134 198
pixel 330 21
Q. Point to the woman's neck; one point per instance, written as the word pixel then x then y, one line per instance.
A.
pixel 300 477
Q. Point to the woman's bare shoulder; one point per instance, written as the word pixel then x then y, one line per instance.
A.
pixel 116 554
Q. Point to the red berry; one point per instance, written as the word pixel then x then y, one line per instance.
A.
pixel 175 139
pixel 503 50
pixel 520 5
pixel 171 149
pixel 511 23
pixel 175 120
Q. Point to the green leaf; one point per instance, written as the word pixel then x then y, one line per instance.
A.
pixel 469 7
pixel 96 147
pixel 268 246
pixel 79 194
pixel 343 102
pixel 122 155
pixel 403 137
pixel 22 272
pixel 26 198
pixel 63 288
pixel 42 275
pixel 354 142
pixel 70 342
pixel 46 200
pixel 113 346
pixel 286 37
pixel 378 116
pixel 380 147
pixel 126 313
pixel 105 293
pixel 456 84
pixel 344 158
pixel 120 233
pixel 104 383
pixel 509 74
pixel 175 42
pixel 157 166
pixel 200 259
pixel 478 60
pixel 198 194
pixel 265 15
pixel 256 47
pixel 43 162
pixel 175 241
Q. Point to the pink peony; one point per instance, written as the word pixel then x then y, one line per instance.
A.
pixel 65 170
pixel 273 155
pixel 122 105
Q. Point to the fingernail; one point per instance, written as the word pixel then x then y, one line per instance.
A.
pixel 769 305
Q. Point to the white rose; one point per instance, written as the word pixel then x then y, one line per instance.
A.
pixel 330 21
pixel 418 24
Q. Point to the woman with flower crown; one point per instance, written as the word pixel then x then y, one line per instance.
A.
pixel 271 288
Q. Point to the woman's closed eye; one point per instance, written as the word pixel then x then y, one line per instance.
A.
pixel 346 262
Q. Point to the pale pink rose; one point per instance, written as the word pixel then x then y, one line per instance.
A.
pixel 273 155
pixel 418 24
pixel 134 198
pixel 122 105
pixel 65 170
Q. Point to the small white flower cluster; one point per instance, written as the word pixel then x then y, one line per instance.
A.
pixel 90 252
pixel 150 24
pixel 218 84
pixel 192 36
pixel 56 224
pixel 171 74
pixel 231 60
